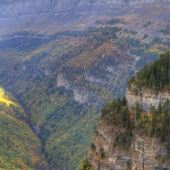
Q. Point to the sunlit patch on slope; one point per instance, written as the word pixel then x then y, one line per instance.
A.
pixel 3 98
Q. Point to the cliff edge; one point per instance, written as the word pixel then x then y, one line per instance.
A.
pixel 134 133
pixel 151 85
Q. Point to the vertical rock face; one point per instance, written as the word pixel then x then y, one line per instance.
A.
pixel 146 98
pixel 62 82
pixel 79 95
pixel 127 138
pixel 106 154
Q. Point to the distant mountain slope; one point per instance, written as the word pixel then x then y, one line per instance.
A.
pixel 19 146
pixel 48 17
pixel 33 7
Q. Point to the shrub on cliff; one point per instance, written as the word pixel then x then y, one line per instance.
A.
pixel 85 165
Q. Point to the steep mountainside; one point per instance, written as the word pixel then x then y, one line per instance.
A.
pixel 19 146
pixel 129 137
pixel 116 147
pixel 151 85
pixel 48 17
pixel 63 80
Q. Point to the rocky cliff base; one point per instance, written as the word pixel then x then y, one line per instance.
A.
pixel 129 140
pixel 107 154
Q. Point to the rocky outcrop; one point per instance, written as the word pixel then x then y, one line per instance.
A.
pixel 79 95
pixel 145 97
pixel 106 154
pixel 62 81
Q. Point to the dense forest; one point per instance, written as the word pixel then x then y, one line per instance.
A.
pixel 20 148
pixel 154 76
pixel 166 31
pixel 154 123
pixel 95 62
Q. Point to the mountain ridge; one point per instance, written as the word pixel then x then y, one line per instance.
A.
pixel 49 17
pixel 21 8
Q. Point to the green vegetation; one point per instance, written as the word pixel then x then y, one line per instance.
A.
pixel 19 146
pixel 148 23
pixel 85 165
pixel 121 115
pixel 9 105
pixel 29 69
pixel 129 32
pixel 155 76
pixel 110 22
pixel 145 36
pixel 4 99
pixel 155 123
pixel 166 30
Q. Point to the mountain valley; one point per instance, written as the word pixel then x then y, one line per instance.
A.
pixel 64 60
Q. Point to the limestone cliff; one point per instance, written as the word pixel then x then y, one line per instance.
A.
pixel 150 86
pixel 145 97
pixel 105 154
pixel 131 135
pixel 81 96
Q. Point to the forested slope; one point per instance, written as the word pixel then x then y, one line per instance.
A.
pixel 155 75
pixel 63 80
pixel 20 148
